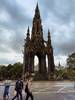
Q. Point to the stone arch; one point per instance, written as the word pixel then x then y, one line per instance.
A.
pixel 36 63
pixel 47 62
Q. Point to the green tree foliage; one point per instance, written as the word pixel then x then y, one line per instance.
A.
pixel 12 71
pixel 71 61
pixel 65 74
pixel 15 71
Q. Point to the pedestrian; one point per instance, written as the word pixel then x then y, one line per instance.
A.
pixel 28 89
pixel 6 89
pixel 18 89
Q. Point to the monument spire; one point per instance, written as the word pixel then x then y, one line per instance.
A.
pixel 28 31
pixel 49 38
pixel 28 35
pixel 36 25
pixel 37 12
pixel 37 8
pixel 37 46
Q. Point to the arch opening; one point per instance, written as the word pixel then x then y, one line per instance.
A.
pixel 36 63
pixel 47 62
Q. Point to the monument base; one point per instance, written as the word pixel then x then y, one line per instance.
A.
pixel 51 77
pixel 40 77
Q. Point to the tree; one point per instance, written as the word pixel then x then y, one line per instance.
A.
pixel 71 61
pixel 3 72
pixel 17 70
pixel 12 71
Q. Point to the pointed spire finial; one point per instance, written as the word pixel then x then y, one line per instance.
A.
pixel 28 31
pixel 59 64
pixel 49 37
pixel 48 33
pixel 37 12
pixel 37 26
pixel 28 34
pixel 37 8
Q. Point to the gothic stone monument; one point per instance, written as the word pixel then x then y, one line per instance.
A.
pixel 36 46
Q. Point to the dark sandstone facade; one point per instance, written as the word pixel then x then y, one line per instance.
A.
pixel 36 46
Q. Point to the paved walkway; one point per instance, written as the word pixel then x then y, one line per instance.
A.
pixel 48 90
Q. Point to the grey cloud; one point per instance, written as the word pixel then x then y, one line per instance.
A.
pixel 62 10
pixel 5 61
pixel 14 42
pixel 66 47
pixel 17 42
pixel 16 13
pixel 55 14
pixel 18 21
pixel 64 44
pixel 61 13
pixel 15 27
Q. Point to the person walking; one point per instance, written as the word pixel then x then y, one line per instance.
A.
pixel 6 89
pixel 28 89
pixel 18 89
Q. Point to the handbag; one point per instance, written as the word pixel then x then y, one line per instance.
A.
pixel 14 92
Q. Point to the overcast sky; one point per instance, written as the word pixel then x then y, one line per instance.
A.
pixel 17 15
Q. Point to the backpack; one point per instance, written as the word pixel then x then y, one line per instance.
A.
pixel 18 85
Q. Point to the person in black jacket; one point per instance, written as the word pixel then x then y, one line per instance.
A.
pixel 28 89
pixel 18 89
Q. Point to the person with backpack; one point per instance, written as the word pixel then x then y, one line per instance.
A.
pixel 28 89
pixel 18 89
